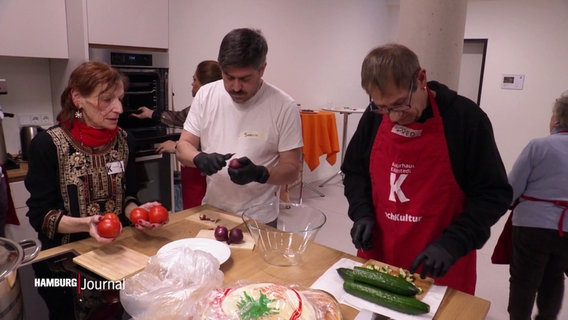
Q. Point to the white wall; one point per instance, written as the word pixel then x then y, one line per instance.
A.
pixel 29 92
pixel 315 48
pixel 525 37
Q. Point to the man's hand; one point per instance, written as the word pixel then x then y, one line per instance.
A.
pixel 210 163
pixel 248 172
pixel 362 233
pixel 437 261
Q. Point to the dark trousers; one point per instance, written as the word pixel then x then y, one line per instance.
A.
pixel 540 257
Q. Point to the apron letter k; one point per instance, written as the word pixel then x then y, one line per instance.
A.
pixel 395 187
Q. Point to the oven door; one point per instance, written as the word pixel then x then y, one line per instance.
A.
pixel 147 87
pixel 155 177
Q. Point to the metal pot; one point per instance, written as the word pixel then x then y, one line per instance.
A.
pixel 12 256
pixel 27 133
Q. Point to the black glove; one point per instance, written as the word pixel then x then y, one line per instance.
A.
pixel 362 233
pixel 437 261
pixel 248 172
pixel 209 163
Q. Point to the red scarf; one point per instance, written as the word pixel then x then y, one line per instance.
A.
pixel 89 136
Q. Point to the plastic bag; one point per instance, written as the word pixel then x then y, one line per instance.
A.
pixel 173 285
pixel 271 301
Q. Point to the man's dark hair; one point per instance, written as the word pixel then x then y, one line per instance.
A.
pixel 243 48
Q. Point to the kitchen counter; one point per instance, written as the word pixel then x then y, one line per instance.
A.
pixel 248 265
pixel 15 175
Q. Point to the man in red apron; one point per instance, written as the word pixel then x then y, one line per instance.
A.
pixel 423 175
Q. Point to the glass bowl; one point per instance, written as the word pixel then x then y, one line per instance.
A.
pixel 284 241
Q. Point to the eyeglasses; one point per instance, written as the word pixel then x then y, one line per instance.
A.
pixel 395 107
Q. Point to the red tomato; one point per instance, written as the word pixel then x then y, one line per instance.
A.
pixel 158 214
pixel 138 213
pixel 108 228
pixel 111 216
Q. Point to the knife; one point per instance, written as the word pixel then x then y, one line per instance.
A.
pixel 226 156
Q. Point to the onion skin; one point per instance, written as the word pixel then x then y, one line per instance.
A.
pixel 221 233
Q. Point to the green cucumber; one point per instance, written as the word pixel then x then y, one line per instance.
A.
pixel 397 302
pixel 345 273
pixel 384 281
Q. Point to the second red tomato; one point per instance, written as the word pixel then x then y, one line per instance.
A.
pixel 138 214
pixel 158 214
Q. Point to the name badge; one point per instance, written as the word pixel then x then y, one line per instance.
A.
pixel 405 131
pixel 254 135
pixel 115 167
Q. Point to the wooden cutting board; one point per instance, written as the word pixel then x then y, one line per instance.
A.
pixel 247 243
pixel 423 284
pixel 211 219
pixel 113 262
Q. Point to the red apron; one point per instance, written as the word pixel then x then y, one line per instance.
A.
pixel 415 195
pixel 193 187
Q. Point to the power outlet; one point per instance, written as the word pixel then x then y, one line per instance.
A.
pixel 3 86
pixel 39 119
pixel 45 119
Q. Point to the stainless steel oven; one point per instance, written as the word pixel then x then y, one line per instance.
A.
pixel 154 172
pixel 147 73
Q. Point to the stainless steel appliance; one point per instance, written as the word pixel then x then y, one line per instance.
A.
pixel 27 133
pixel 13 255
pixel 147 73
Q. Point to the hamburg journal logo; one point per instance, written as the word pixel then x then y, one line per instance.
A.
pixel 79 283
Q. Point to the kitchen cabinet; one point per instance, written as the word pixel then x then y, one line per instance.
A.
pixel 31 28
pixel 133 23
pixel 24 231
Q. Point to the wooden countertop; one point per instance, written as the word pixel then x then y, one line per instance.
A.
pixel 15 175
pixel 248 265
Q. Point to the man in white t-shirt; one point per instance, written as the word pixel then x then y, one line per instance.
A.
pixel 248 117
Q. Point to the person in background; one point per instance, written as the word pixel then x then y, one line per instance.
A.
pixel 245 117
pixel 192 182
pixel 423 177
pixel 84 166
pixel 540 241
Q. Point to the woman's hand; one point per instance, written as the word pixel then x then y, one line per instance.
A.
pixel 93 222
pixel 143 113
pixel 145 225
pixel 167 147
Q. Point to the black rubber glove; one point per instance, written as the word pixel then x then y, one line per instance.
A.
pixel 437 261
pixel 209 163
pixel 248 172
pixel 362 233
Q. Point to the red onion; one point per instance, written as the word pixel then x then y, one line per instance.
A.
pixel 235 164
pixel 221 233
pixel 235 236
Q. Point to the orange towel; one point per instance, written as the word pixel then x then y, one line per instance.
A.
pixel 319 131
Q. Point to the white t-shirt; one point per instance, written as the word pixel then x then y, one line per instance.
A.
pixel 259 129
